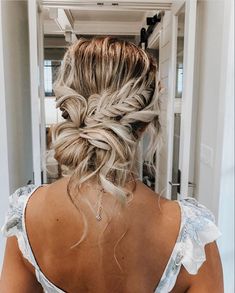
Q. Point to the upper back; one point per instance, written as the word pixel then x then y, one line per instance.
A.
pixel 151 244
pixel 127 244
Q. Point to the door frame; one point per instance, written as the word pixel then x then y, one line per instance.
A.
pixel 36 84
pixel 42 95
pixel 154 43
pixel 185 156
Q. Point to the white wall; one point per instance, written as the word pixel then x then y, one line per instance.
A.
pixel 16 157
pixel 226 172
pixel 210 30
pixel 17 91
pixel 214 181
pixel 226 205
pixel 4 172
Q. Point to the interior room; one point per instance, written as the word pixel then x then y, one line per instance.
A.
pixel 193 44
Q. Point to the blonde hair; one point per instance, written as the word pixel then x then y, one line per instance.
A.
pixel 107 91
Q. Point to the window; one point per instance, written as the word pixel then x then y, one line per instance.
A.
pixel 50 72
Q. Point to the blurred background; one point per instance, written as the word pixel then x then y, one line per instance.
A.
pixel 193 42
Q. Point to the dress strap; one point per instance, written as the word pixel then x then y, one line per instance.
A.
pixel 172 268
pixel 198 228
pixel 15 220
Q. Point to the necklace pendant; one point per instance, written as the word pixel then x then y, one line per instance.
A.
pixel 98 218
pixel 98 214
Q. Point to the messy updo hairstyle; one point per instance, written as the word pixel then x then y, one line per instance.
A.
pixel 107 91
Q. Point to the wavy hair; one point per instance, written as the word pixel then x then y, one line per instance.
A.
pixel 108 94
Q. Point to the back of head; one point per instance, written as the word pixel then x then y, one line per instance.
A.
pixel 106 89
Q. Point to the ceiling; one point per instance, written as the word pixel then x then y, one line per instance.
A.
pixel 99 15
pixel 110 4
pixel 117 17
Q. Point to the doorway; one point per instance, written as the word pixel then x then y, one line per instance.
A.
pixel 57 25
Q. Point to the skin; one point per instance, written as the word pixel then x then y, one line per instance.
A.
pixel 143 234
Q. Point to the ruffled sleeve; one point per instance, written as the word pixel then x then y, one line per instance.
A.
pixel 14 217
pixel 198 229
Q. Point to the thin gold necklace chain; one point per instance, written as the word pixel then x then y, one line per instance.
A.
pixel 100 201
pixel 99 206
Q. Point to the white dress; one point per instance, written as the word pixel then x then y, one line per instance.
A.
pixel 197 229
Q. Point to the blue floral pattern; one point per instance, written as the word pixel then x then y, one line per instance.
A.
pixel 197 229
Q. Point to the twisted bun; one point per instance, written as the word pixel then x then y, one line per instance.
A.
pixel 105 88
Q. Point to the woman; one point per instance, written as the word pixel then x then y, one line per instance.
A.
pixel 98 228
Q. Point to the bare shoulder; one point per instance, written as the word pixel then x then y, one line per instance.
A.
pixel 166 220
pixel 53 214
pixel 210 275
pixel 168 211
pixel 170 214
pixel 47 197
